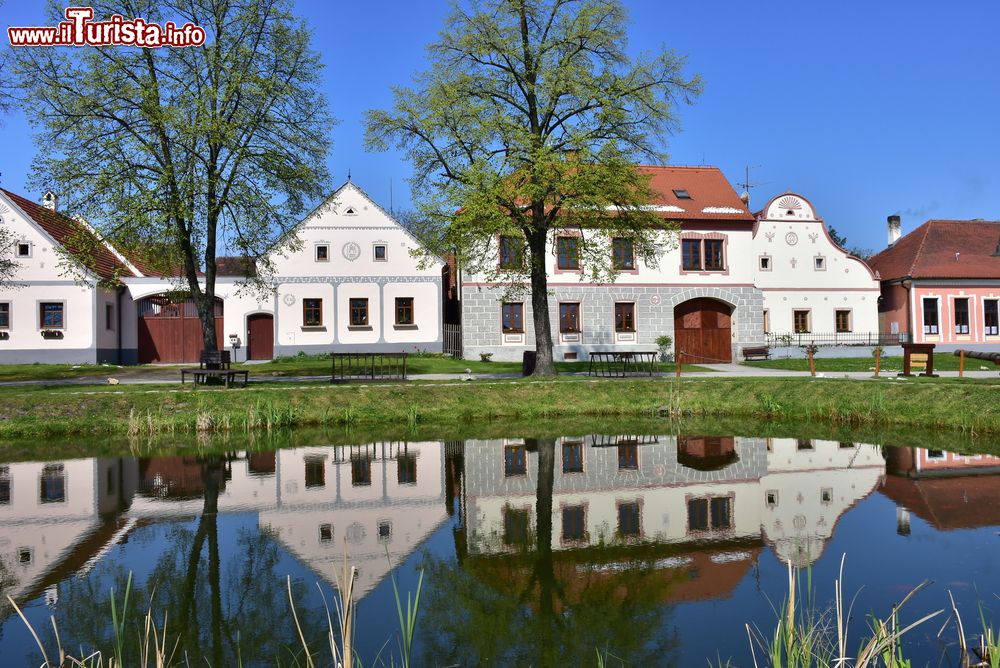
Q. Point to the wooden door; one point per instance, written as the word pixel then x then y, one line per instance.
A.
pixel 260 337
pixel 171 331
pixel 702 332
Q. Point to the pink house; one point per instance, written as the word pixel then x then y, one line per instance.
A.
pixel 941 283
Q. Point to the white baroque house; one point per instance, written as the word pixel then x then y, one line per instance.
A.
pixel 731 278
pixel 351 285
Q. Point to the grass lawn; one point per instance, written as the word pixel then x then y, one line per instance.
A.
pixel 969 406
pixel 313 365
pixel 942 362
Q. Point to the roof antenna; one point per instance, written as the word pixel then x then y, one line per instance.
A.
pixel 747 184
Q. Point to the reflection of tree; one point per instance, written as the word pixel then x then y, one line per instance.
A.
pixel 211 608
pixel 532 608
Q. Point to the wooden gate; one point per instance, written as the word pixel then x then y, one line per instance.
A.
pixel 260 336
pixel 171 331
pixel 702 332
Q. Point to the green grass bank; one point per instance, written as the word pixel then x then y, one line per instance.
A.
pixel 967 406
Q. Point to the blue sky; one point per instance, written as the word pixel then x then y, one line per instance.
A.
pixel 867 108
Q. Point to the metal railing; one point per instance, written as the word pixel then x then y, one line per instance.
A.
pixel 782 339
pixel 452 340
pixel 368 366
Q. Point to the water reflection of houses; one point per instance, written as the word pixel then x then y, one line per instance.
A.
pixel 947 490
pixel 710 503
pixel 57 518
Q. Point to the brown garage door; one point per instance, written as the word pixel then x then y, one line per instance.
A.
pixel 702 332
pixel 171 331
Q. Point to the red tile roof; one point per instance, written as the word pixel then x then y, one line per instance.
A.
pixel 227 265
pixel 929 251
pixel 712 196
pixel 74 237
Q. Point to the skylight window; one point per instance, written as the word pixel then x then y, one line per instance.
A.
pixel 682 193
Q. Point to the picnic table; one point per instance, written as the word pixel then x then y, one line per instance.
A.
pixel 619 364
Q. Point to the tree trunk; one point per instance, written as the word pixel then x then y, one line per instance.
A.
pixel 545 575
pixel 206 313
pixel 544 364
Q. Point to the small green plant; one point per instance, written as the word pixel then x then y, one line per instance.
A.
pixel 486 357
pixel 663 343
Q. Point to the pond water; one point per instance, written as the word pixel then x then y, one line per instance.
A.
pixel 652 549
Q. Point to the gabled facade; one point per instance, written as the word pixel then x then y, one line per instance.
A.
pixel 731 278
pixel 352 284
pixel 941 283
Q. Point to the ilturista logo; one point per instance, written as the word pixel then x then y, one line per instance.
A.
pixel 80 29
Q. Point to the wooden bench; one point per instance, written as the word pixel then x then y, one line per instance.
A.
pixel 756 352
pixel 215 364
pixel 368 366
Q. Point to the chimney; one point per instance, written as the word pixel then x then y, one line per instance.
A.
pixel 50 201
pixel 745 197
pixel 895 229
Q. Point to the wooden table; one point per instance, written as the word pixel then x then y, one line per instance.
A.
pixel 605 363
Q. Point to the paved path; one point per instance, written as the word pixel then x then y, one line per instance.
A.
pixel 160 376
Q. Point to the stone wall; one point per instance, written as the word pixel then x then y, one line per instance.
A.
pixel 654 317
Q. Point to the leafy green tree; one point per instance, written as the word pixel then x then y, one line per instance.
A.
pixel 529 120
pixel 186 150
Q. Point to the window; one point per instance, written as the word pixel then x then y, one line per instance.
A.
pixel 51 315
pixel 515 526
pixel 109 316
pixel 962 315
pixel 819 263
pixel 713 255
pixel 826 495
pixel 512 318
pixel 842 320
pixel 406 469
pixel 384 530
pixel 572 457
pixel 691 254
pixel 4 485
pixel 326 532
pixel 322 253
pixel 681 193
pixel 511 253
pixel 767 321
pixel 771 498
pixel 629 523
pixel 569 318
pixel 361 471
pixel 404 310
pixel 765 263
pixel 574 523
pixel 23 249
pixel 930 315
pixel 628 457
pixel 625 317
pixel 312 312
pixel 380 253
pixel 622 254
pixel 515 460
pixel 315 472
pixel 359 312
pixel 713 513
pixel 991 319
pixel 4 315
pixel 52 484
pixel 702 255
pixel 800 320
pixel 568 253
pixel 24 555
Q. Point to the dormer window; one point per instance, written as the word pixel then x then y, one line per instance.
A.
pixel 322 253
pixel 682 193
pixel 23 249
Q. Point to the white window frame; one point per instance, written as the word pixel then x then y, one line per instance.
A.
pixel 375 257
pixel 17 249
pixel 10 316
pixel 316 248
pixel 923 315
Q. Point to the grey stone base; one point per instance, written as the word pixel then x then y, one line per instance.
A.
pixel 287 351
pixel 481 317
pixel 49 356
